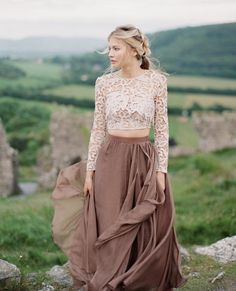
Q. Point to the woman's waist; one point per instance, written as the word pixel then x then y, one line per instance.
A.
pixel 130 132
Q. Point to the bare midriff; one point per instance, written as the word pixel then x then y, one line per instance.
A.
pixel 130 133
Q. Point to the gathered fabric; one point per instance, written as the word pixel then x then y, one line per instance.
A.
pixel 122 235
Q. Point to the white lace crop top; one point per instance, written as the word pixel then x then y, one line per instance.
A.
pixel 131 103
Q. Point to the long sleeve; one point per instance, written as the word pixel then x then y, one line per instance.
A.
pixel 161 125
pixel 98 131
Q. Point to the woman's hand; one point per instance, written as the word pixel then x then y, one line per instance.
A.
pixel 88 184
pixel 161 179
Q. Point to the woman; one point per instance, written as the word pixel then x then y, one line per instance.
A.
pixel 125 237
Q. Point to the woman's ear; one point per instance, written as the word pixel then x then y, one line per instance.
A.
pixel 134 52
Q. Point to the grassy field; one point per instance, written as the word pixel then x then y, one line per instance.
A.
pixel 201 82
pixel 183 131
pixel 38 75
pixel 199 183
pixel 75 91
pixel 44 75
pixel 205 100
pixel 39 70
pixel 203 184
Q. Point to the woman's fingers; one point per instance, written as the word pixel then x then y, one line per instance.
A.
pixel 85 191
pixel 88 189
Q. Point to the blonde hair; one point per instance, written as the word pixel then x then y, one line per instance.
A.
pixel 137 40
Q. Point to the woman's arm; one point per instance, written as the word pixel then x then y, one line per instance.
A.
pixel 98 131
pixel 161 125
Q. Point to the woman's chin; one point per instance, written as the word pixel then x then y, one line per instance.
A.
pixel 115 65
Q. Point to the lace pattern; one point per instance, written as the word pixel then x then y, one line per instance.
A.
pixel 132 103
pixel 161 125
pixel 99 130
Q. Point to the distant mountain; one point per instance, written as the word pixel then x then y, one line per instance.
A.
pixel 31 47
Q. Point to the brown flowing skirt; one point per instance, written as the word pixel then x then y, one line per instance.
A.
pixel 121 236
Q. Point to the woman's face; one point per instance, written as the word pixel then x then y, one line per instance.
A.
pixel 120 53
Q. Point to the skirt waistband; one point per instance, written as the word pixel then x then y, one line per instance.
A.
pixel 127 139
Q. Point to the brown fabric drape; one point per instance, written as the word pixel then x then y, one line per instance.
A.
pixel 121 236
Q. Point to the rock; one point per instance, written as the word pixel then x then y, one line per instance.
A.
pixel 223 250
pixel 194 275
pixel 218 277
pixel 184 254
pixel 30 277
pixel 47 287
pixel 179 150
pixel 61 275
pixel 9 274
pixel 216 130
pixel 69 137
pixel 8 167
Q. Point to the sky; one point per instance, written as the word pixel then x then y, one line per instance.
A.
pixel 87 18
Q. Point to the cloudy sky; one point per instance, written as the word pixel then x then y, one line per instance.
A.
pixel 91 18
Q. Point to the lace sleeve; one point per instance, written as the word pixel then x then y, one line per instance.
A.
pixel 98 131
pixel 161 125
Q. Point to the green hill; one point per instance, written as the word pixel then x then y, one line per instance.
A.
pixel 204 50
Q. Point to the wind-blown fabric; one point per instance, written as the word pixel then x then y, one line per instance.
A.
pixel 123 235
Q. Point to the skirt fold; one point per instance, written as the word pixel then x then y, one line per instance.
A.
pixel 124 235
